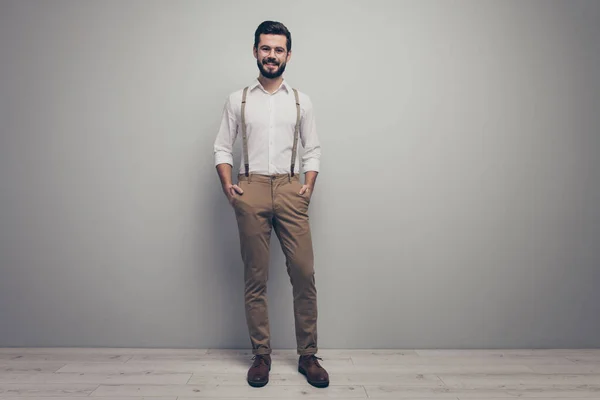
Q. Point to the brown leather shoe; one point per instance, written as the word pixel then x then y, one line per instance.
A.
pixel 315 374
pixel 258 374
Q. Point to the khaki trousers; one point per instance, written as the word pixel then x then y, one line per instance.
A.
pixel 272 202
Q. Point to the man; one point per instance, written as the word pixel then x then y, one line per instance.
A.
pixel 271 117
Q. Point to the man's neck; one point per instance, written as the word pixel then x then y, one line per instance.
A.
pixel 270 85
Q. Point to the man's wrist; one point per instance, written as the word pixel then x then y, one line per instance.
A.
pixel 310 178
pixel 227 187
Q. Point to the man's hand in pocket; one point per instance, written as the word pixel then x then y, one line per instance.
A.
pixel 232 191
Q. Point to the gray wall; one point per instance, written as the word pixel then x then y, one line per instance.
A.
pixel 457 206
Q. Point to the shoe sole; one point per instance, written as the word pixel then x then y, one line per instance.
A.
pixel 258 384
pixel 315 384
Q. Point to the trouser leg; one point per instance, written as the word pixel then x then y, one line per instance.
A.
pixel 253 210
pixel 291 224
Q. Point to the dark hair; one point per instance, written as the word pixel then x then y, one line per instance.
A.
pixel 273 28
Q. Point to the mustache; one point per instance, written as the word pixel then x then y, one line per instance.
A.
pixel 270 60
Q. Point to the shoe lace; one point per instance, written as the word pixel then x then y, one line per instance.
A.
pixel 314 358
pixel 258 359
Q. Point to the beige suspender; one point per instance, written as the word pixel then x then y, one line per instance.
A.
pixel 247 165
pixel 245 138
pixel 295 131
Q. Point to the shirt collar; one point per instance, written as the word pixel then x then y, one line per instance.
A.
pixel 256 83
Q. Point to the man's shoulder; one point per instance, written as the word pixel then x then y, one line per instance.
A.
pixel 305 100
pixel 233 101
pixel 303 97
pixel 235 96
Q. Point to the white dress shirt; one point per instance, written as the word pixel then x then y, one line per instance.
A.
pixel 270 123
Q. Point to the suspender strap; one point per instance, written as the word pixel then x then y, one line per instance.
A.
pixel 294 149
pixel 245 138
pixel 247 163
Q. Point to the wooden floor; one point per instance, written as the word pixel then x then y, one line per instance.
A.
pixel 157 374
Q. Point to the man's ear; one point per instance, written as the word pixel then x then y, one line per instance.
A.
pixel 254 52
pixel 289 56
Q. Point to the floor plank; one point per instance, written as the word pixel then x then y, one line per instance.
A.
pixel 46 389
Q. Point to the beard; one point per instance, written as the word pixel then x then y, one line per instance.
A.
pixel 268 74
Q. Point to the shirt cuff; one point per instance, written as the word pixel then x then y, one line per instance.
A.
pixel 222 157
pixel 311 165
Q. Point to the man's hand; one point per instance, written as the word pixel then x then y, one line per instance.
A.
pixel 308 189
pixel 310 177
pixel 232 191
pixel 224 171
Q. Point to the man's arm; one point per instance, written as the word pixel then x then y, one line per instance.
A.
pixel 230 190
pixel 310 178
pixel 223 150
pixel 312 147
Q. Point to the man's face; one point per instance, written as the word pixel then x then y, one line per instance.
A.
pixel 272 55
